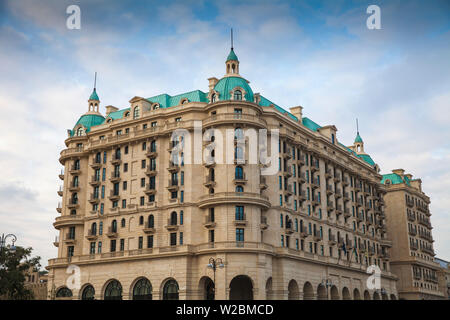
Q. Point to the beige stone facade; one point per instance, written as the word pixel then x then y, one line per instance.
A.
pixel 409 227
pixel 308 231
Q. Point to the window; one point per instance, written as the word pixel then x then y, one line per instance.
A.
pixel 239 214
pixel 122 244
pixel 99 248
pixel 122 223
pixel 125 167
pixel 170 290
pixel 124 185
pixel 173 218
pixel 142 182
pixel 213 98
pixel 124 204
pixel 239 234
pixel 239 189
pixel 237 95
pixel 113 245
pixel 181 238
pixel 173 239
pixel 136 112
pixel 70 251
pixel 142 201
pixel 143 164
pixel 239 173
pixel 149 241
pixel 181 217
pixel 141 242
pixel 141 220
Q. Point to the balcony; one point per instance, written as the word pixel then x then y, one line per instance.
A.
pixel 315 184
pixel 331 240
pixel 347 213
pixel 240 179
pixel 302 177
pixel 96 163
pixel 172 185
pixel 328 173
pixel 209 222
pixel 112 232
pixel 72 204
pixel 68 220
pixel 150 189
pixel 56 242
pixel 337 178
pixel 263 225
pixel 359 203
pixel 349 244
pixel 302 196
pixel 210 162
pixel 75 170
pixel 338 194
pixel 91 235
pixel 410 203
pixel 151 153
pixel 115 177
pixel 74 187
pixel 288 172
pixel 411 217
pixel 369 220
pixel 303 232
pixel 70 238
pixel 114 196
pixel 288 190
pixel 95 181
pixel 61 175
pixel 149 228
pixel 172 225
pixel 116 160
pixel 150 171
pixel 213 199
pixel 287 153
pixel 346 181
pixel 240 220
pixel 315 202
pixel 173 167
pixel 94 198
pixel 60 192
pixel 357 188
pixel 338 209
pixel 330 206
pixel 412 232
pixel 315 167
pixel 386 243
pixel 329 189
pixel 385 256
pixel 317 236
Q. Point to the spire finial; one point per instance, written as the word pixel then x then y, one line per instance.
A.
pixel 95 80
pixel 231 38
pixel 357 126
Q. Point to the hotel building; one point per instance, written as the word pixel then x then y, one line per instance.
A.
pixel 409 227
pixel 143 224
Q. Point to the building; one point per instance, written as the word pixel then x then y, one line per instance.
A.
pixel 141 223
pixel 444 277
pixel 36 281
pixel 409 227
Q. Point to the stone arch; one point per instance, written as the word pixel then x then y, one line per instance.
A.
pixel 356 294
pixel 170 289
pixel 322 292
pixel 293 290
pixel 366 295
pixel 206 288
pixel 393 296
pixel 87 292
pixel 384 296
pixel 141 289
pixel 241 288
pixel 112 290
pixel 346 294
pixel 376 296
pixel 269 290
pixel 334 293
pixel 308 291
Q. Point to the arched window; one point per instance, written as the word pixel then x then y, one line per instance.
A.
pixel 76 164
pixel 117 153
pixel 238 134
pixel 73 212
pixel 75 181
pixel 98 157
pixel 100 228
pixel 141 220
pixel 239 173
pixel 80 131
pixel 127 114
pixel 88 293
pixel 213 98
pixel 239 189
pixel 75 198
pixel 173 218
pixel 94 228
pixel 156 107
pixel 142 290
pixel 64 292
pixel 170 290
pixel 114 226
pixel 151 221
pixel 296 225
pixel 136 112
pixel 153 146
pixel 238 153
pixel 113 291
pixel 237 94
pixel 122 223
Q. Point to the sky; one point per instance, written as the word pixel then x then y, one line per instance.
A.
pixel 317 54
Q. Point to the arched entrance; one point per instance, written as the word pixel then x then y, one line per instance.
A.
pixel 321 292
pixel 88 293
pixel 241 288
pixel 393 297
pixel 113 291
pixel 171 290
pixel 269 292
pixel 376 296
pixel 366 295
pixel 64 292
pixel 206 288
pixel 334 293
pixel 142 290
pixel 345 294
pixel 308 291
pixel 384 296
pixel 293 291
pixel 356 295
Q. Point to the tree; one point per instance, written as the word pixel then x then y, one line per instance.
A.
pixel 14 266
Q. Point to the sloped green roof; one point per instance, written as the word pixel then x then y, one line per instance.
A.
pixel 227 84
pixel 166 101
pixel 94 96
pixel 311 125
pixel 88 121
pixel 232 56
pixel 117 114
pixel 395 179
pixel 264 102
pixel 358 138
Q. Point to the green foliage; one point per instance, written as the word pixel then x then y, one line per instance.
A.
pixel 14 266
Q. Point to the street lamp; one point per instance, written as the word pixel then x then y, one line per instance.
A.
pixel 3 242
pixel 213 264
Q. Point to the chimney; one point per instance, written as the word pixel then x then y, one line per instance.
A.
pixel 297 111
pixel 110 109
pixel 212 83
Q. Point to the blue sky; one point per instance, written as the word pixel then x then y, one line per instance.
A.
pixel 318 54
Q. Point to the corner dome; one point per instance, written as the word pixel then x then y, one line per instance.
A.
pixel 88 121
pixel 227 84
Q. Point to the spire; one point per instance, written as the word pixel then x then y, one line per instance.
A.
pixel 94 95
pixel 232 56
pixel 358 138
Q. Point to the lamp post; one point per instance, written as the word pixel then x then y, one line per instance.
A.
pixel 3 241
pixel 213 264
pixel 327 283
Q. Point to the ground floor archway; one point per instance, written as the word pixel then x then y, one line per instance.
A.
pixel 241 288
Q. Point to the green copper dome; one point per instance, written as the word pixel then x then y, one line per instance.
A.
pixel 88 121
pixel 94 96
pixel 358 138
pixel 227 84
pixel 232 56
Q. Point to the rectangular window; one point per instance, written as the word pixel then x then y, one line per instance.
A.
pixel 211 236
pixel 125 167
pixel 113 245
pixel 124 185
pixel 181 217
pixel 282 241
pixel 104 174
pixel 181 196
pixel 239 234
pixel 144 146
pixel 174 195
pixel 239 213
pixel 182 178
pixel 124 204
pixel 102 208
pixel 296 244
pixel 126 147
pixel 173 239
pixel 70 251
pixel 181 238
pixel 122 244
pixel 99 248
pixel 142 182
pixel 149 241
pixel 92 249
pixel 143 164
pixel 104 157
pixel 103 192
pixel 140 242
pixel 142 201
